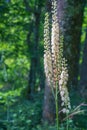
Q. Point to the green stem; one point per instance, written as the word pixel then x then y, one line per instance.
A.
pixel 56 100
pixel 67 123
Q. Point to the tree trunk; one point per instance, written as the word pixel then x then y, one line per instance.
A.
pixel 49 104
pixel 34 55
pixel 73 25
pixel 33 37
pixel 83 73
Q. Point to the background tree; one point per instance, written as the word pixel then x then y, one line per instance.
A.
pixel 36 75
pixel 73 25
pixel 83 77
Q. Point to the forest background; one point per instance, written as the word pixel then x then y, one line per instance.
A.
pixel 22 78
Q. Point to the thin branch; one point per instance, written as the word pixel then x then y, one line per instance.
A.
pixel 72 114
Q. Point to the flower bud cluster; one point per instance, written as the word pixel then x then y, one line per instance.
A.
pixel 47 50
pixel 63 88
pixel 55 42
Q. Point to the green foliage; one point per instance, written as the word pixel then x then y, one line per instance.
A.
pixel 14 55
pixel 16 113
pixel 21 114
pixel 26 116
pixel 53 127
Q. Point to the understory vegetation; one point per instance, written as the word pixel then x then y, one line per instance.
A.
pixel 43 65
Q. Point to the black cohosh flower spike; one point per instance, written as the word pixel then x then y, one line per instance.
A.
pixel 55 65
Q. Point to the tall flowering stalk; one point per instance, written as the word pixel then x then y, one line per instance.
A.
pixel 47 50
pixel 54 63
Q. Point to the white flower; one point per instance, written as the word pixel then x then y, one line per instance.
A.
pixel 69 106
pixel 63 99
pixel 62 93
pixel 60 82
pixel 64 110
pixel 67 111
pixel 62 74
pixel 62 104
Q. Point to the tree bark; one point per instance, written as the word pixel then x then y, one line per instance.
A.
pixel 35 71
pixel 49 104
pixel 83 73
pixel 72 26
pixel 34 55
